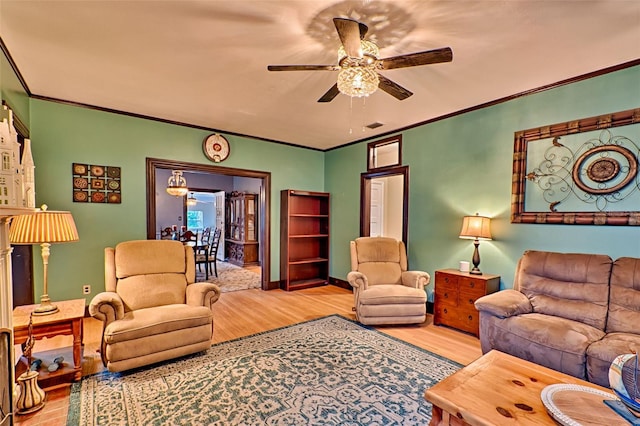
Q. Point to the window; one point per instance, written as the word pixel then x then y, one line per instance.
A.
pixel 194 219
pixel 6 161
pixel 384 153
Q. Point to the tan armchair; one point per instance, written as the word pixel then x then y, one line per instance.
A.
pixel 384 291
pixel 152 309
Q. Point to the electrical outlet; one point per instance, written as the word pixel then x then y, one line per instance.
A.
pixel 86 289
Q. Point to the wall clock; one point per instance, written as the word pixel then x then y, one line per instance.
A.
pixel 216 148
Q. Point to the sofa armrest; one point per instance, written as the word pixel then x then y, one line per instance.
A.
pixel 107 307
pixel 505 303
pixel 202 294
pixel 416 279
pixel 358 280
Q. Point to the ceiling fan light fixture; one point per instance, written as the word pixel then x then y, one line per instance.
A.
pixel 370 52
pixel 177 184
pixel 358 81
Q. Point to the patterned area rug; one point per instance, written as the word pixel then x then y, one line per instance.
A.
pixel 231 277
pixel 329 371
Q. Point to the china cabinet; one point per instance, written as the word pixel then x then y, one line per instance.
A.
pixel 241 242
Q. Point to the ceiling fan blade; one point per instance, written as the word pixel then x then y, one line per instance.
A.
pixel 419 58
pixel 303 67
pixel 331 93
pixel 349 32
pixel 394 89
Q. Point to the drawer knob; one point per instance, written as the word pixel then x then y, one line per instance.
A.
pixel 446 295
pixel 445 311
pixel 471 301
pixel 470 317
pixel 472 284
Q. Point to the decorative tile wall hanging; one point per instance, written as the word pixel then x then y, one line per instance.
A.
pixel 582 172
pixel 96 184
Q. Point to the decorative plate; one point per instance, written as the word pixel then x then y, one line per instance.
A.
pixel 216 148
pixel 549 393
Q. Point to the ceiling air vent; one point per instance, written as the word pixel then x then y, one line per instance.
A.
pixel 374 125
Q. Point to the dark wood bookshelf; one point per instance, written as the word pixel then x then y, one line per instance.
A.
pixel 304 239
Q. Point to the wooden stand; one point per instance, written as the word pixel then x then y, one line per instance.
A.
pixel 455 295
pixel 68 321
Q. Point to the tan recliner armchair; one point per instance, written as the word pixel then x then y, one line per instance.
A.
pixel 152 309
pixel 384 291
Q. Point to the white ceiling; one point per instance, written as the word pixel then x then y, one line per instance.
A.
pixel 204 63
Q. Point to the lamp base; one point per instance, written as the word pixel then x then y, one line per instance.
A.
pixel 476 259
pixel 46 307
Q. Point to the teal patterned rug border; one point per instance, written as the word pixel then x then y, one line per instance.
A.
pixel 325 387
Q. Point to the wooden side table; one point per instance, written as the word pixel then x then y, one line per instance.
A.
pixel 68 321
pixel 455 295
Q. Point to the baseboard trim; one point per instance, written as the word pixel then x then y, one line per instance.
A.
pixel 340 283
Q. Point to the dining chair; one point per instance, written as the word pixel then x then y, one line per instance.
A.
pixel 208 256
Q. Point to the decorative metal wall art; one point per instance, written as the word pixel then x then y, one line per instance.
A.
pixel 96 184
pixel 582 172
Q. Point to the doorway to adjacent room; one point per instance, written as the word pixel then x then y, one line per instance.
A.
pixel 263 189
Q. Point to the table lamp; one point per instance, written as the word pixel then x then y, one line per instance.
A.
pixel 476 228
pixel 43 227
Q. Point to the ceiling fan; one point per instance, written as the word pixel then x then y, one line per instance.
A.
pixel 358 64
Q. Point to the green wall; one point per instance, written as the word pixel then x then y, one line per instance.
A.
pixel 65 134
pixel 463 165
pixel 458 166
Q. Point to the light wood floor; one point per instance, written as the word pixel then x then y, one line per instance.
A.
pixel 242 313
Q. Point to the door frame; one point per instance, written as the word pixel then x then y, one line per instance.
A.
pixel 264 203
pixel 365 198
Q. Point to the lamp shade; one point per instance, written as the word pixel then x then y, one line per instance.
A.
pixel 43 227
pixel 476 227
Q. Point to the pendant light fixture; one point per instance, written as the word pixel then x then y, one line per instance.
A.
pixel 177 184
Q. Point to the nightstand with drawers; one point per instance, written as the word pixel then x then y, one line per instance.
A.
pixel 455 294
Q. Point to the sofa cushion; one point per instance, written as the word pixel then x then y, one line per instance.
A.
pixel 379 273
pixel 149 257
pixel 159 320
pixel 378 250
pixel 551 341
pixel 392 294
pixel 574 286
pixel 624 297
pixel 392 304
pixel 145 291
pixel 601 354
pixel 380 259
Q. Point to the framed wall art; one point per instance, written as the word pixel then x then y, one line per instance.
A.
pixel 582 172
pixel 96 184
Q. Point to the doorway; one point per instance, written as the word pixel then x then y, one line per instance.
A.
pixel 264 202
pixel 384 203
pixel 205 209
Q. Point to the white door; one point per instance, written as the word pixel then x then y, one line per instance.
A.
pixel 376 225
pixel 220 211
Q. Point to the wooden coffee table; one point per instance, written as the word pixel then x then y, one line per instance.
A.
pixel 68 321
pixel 499 389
